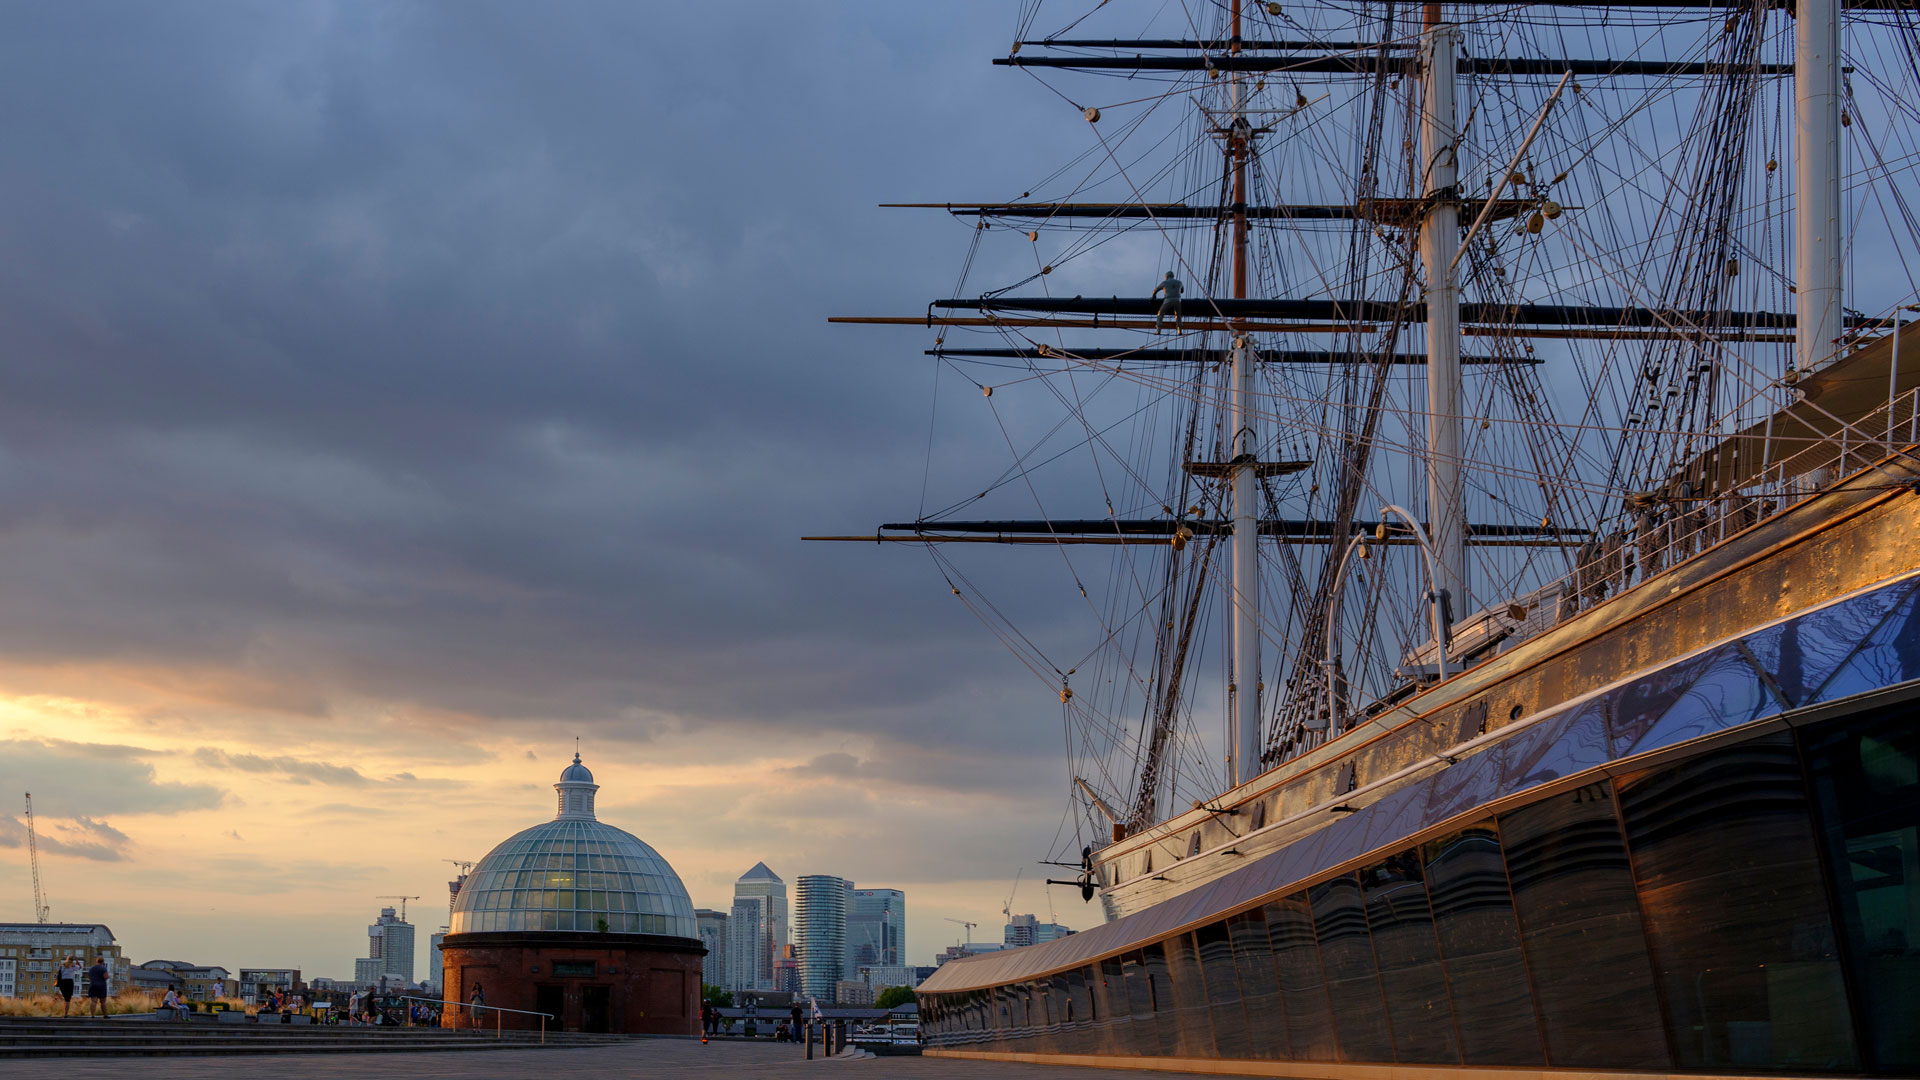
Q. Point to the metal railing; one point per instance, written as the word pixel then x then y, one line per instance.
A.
pixel 495 1009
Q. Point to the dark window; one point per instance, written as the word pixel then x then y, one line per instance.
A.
pixel 1189 999
pixel 1353 985
pixel 1167 1024
pixel 1480 944
pixel 1866 784
pixel 1736 911
pixel 1296 958
pixel 1580 925
pixel 1083 1012
pixel 1259 986
pixel 573 969
pixel 1110 997
pixel 1223 991
pixel 1418 1012
pixel 1145 1030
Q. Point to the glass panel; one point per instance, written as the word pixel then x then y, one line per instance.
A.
pixel 1223 991
pixel 1560 746
pixel 1144 1033
pixel 1296 957
pixel 1353 986
pixel 1634 708
pixel 1580 925
pixel 1082 1013
pixel 1728 692
pixel 1804 652
pixel 1418 1012
pixel 1891 655
pixel 1736 912
pixel 1110 1002
pixel 1166 1024
pixel 1866 784
pixel 1480 943
pixel 1190 998
pixel 1259 986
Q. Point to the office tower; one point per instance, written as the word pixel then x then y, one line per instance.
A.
pixel 713 934
pixel 877 928
pixel 820 933
pixel 756 929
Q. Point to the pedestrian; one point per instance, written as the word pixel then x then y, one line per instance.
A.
pixel 97 986
pixel 477 997
pixel 70 970
pixel 798 1016
pixel 1171 305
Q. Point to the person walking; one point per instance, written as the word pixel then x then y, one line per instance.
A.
pixel 70 970
pixel 97 986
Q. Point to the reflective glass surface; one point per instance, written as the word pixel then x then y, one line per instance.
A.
pixel 1259 986
pixel 574 875
pixel 1223 991
pixel 1167 1026
pixel 1418 1011
pixel 1865 774
pixel 1353 983
pixel 1890 655
pixel 1296 957
pixel 1580 926
pixel 1143 1035
pixel 1736 912
pixel 1192 1018
pixel 1480 945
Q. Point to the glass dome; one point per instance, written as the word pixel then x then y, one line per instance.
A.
pixel 574 873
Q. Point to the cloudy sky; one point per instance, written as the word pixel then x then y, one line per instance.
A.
pixel 392 392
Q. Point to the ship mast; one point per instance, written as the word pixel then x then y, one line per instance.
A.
pixel 1243 724
pixel 1816 155
pixel 1439 247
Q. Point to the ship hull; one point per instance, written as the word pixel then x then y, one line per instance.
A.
pixel 1697 851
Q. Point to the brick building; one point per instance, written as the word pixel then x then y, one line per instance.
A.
pixel 579 920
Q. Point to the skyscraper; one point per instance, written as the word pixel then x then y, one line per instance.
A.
pixel 389 951
pixel 756 929
pixel 877 928
pixel 1029 930
pixel 820 933
pixel 713 934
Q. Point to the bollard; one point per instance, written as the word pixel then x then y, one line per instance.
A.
pixel 809 1028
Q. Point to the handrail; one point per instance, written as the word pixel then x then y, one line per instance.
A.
pixel 470 1005
pixel 497 1010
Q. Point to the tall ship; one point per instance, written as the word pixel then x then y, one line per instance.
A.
pixel 1462 461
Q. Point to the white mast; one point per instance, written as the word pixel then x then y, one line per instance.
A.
pixel 1439 244
pixel 1243 721
pixel 1816 163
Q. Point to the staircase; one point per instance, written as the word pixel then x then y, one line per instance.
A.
pixel 150 1037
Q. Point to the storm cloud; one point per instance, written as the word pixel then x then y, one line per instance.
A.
pixel 470 362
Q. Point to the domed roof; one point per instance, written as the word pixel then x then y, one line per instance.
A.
pixel 574 874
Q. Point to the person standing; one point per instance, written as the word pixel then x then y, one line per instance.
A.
pixel 97 986
pixel 1171 304
pixel 798 1016
pixel 70 971
pixel 477 997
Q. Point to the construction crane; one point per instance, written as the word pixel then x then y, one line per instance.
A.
pixel 465 866
pixel 41 912
pixel 403 903
pixel 968 925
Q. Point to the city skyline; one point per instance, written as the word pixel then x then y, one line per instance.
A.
pixel 335 514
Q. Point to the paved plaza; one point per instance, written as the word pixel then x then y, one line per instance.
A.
pixel 641 1058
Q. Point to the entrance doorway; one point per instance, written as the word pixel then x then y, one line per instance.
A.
pixel 551 999
pixel 595 1013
